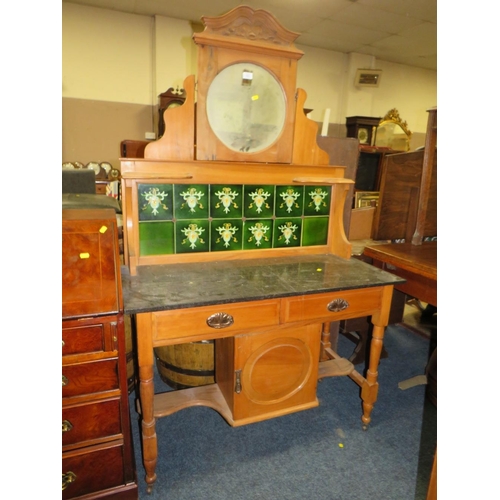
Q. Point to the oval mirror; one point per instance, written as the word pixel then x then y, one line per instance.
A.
pixel 246 107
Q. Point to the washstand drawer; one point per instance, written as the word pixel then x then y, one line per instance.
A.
pixel 91 470
pixel 91 377
pixel 332 306
pixel 182 323
pixel 91 421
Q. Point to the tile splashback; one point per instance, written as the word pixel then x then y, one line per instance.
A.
pixel 189 218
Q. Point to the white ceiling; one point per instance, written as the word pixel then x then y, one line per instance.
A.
pixel 399 31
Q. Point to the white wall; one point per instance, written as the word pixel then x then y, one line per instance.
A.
pixel 106 55
pixel 112 56
pixel 321 73
pixel 175 56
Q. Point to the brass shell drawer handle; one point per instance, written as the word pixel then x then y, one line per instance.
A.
pixel 66 426
pixel 220 320
pixel 337 305
pixel 67 479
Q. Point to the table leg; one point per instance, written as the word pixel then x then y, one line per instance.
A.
pixel 369 388
pixel 146 396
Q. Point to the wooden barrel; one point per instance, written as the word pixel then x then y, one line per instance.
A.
pixel 186 365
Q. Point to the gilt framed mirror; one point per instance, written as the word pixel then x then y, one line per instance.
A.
pixel 393 132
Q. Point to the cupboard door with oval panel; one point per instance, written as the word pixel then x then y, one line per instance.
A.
pixel 274 373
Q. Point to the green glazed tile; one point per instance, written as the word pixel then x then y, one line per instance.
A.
pixel 192 236
pixel 226 234
pixel 289 201
pixel 259 201
pixel 317 200
pixel 287 232
pixel 191 201
pixel 155 201
pixel 314 231
pixel 258 233
pixel 156 238
pixel 226 201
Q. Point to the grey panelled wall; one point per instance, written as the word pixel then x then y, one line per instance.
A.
pixel 93 130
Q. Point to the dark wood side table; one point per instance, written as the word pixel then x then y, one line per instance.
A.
pixel 417 264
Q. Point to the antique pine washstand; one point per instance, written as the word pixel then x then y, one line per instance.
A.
pixel 239 238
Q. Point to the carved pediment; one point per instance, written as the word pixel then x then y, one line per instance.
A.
pixel 247 23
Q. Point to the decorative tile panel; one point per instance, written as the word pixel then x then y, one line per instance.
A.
pixel 191 218
pixel 289 201
pixel 192 236
pixel 226 201
pixel 191 201
pixel 226 234
pixel 287 232
pixel 156 238
pixel 259 201
pixel 258 234
pixel 155 202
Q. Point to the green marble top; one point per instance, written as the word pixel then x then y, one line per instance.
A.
pixel 178 286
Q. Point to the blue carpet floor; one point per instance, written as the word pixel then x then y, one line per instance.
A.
pixel 318 454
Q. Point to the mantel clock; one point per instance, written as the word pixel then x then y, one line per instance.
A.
pixel 362 128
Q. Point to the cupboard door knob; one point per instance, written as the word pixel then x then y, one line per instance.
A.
pixel 337 305
pixel 68 478
pixel 220 320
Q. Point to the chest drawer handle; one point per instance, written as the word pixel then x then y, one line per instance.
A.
pixel 68 478
pixel 64 381
pixel 66 426
pixel 337 305
pixel 220 320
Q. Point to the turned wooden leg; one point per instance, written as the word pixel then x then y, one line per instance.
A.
pixel 146 396
pixel 369 388
pixel 149 440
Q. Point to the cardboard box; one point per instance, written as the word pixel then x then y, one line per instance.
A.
pixel 361 223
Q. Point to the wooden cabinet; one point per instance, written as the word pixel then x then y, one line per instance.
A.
pixel 400 190
pixel 97 454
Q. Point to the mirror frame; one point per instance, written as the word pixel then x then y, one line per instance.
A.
pixel 392 116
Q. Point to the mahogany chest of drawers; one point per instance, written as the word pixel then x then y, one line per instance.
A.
pixel 97 450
